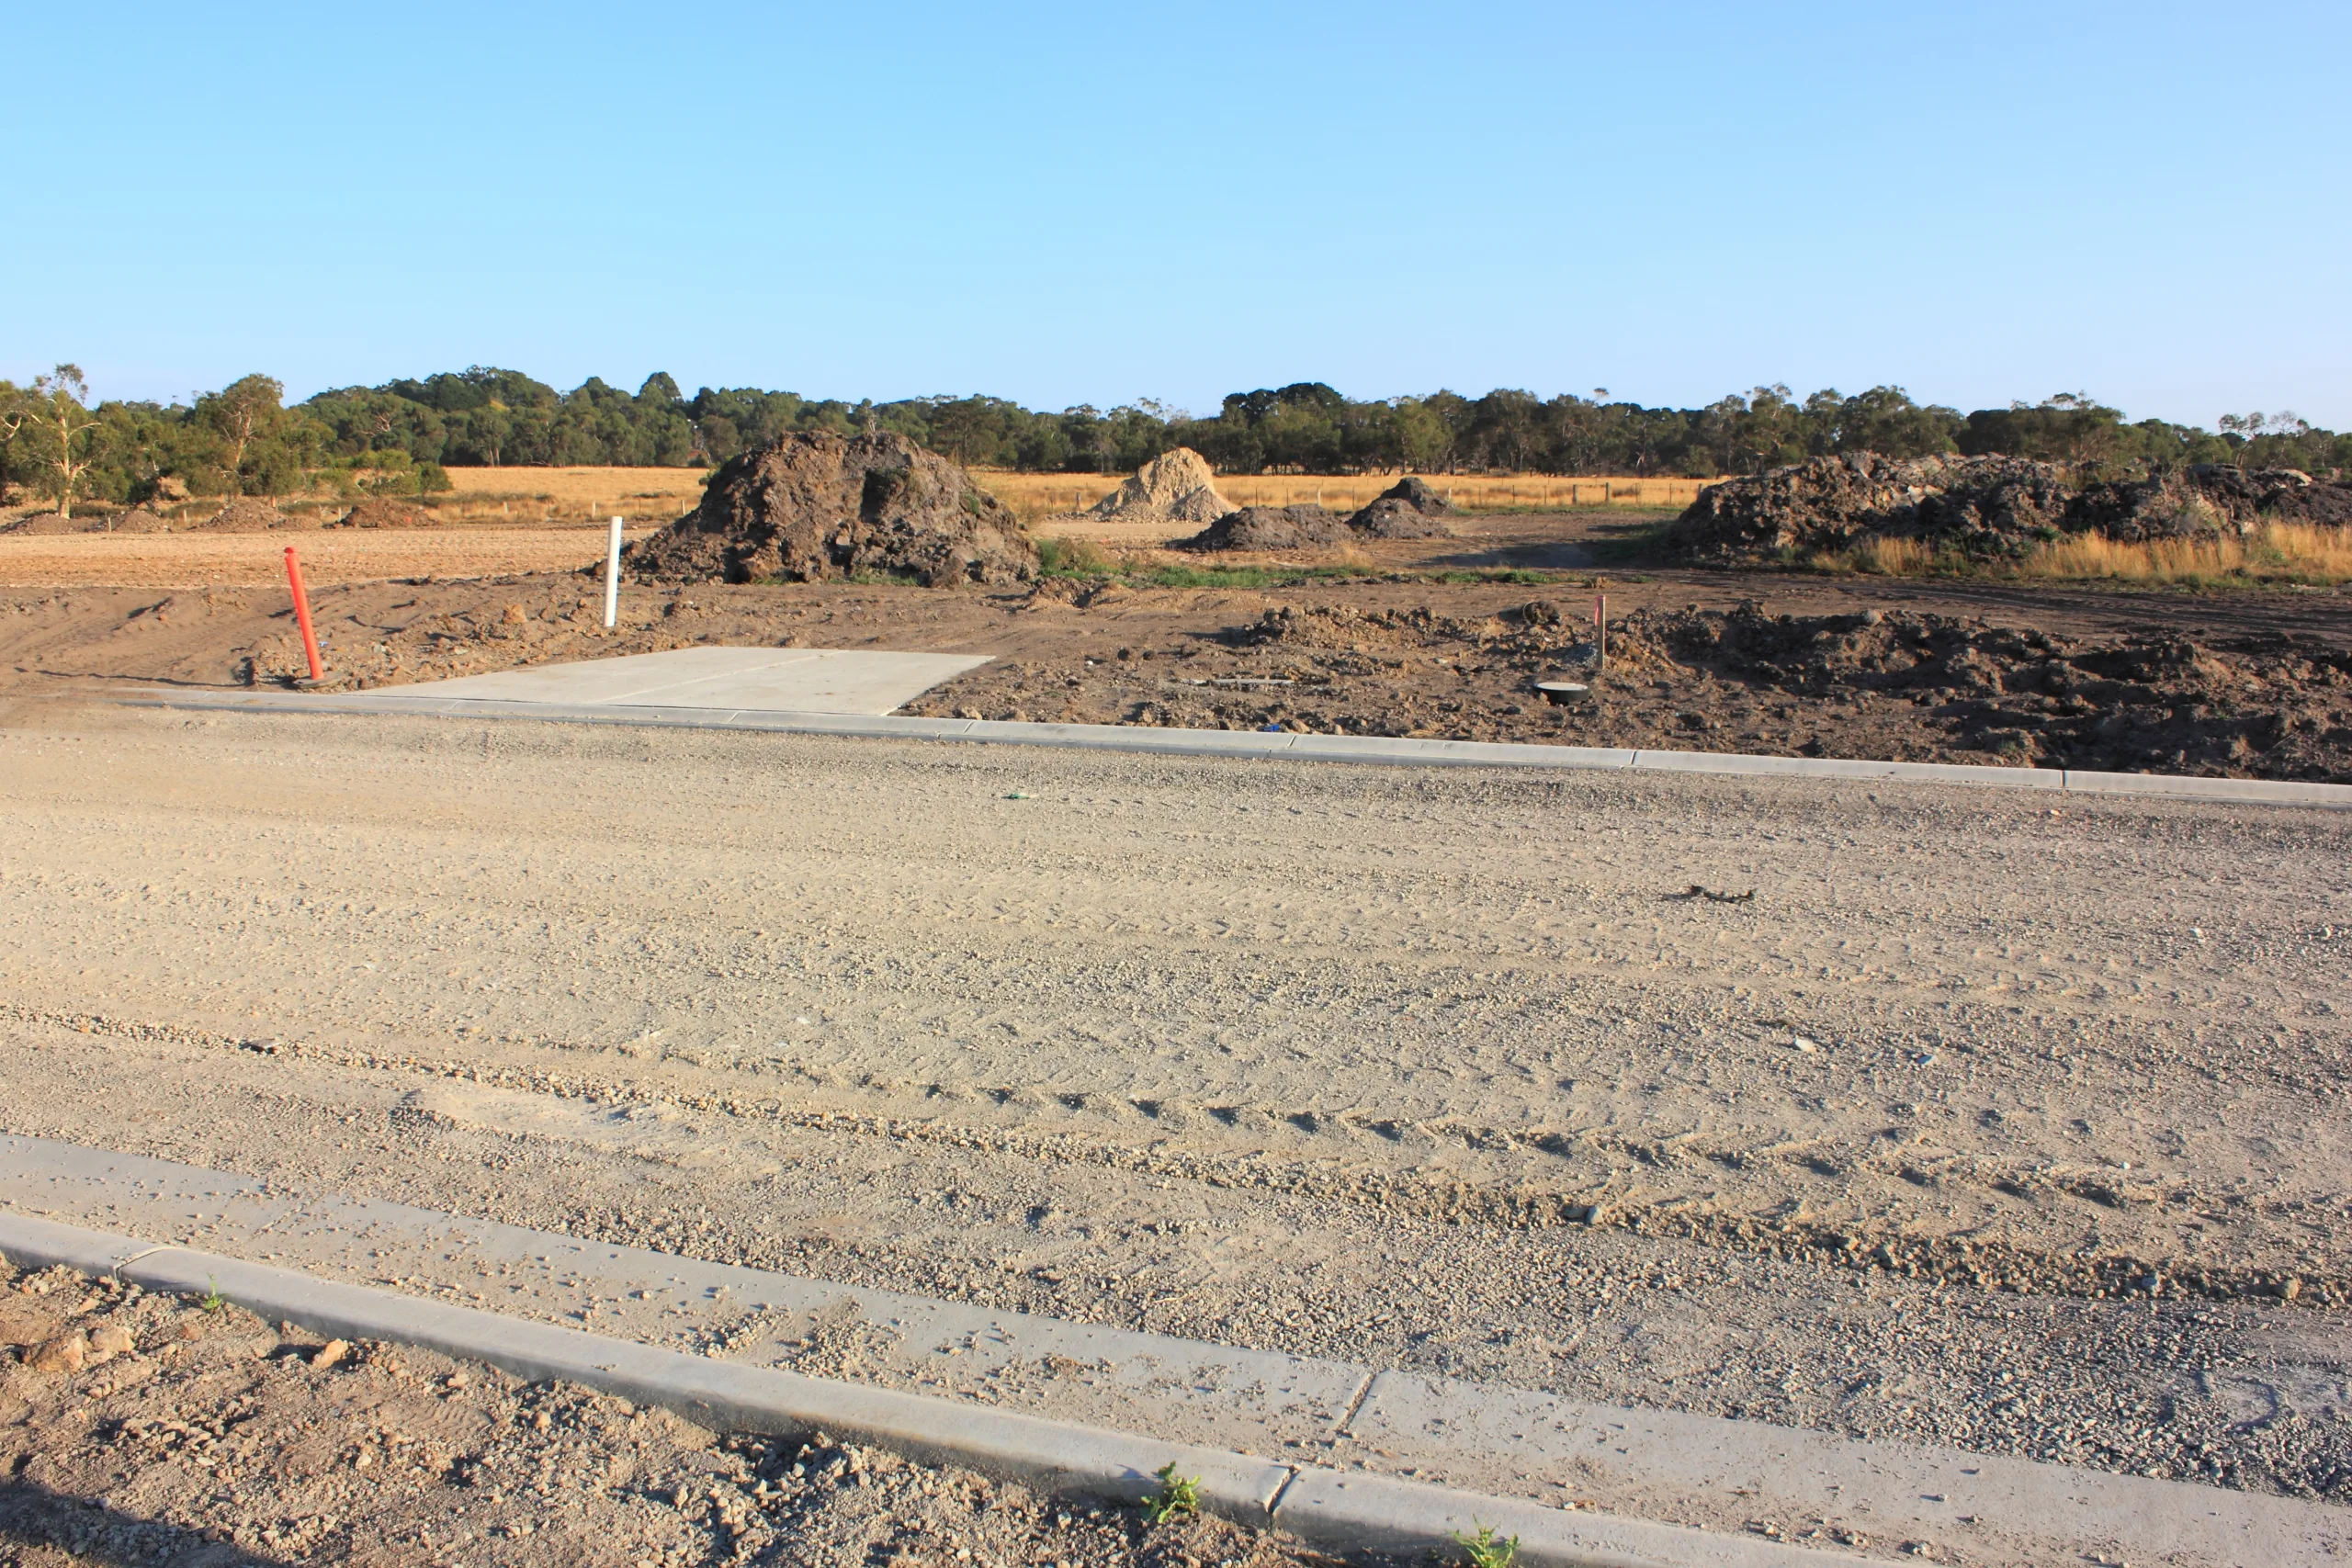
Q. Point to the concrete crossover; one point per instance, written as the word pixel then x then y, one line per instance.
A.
pixel 1203 1401
pixel 1400 751
pixel 802 679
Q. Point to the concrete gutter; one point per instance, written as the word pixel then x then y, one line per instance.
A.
pixel 1328 1509
pixel 1399 751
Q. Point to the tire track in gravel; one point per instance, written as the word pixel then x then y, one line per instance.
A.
pixel 1940 1027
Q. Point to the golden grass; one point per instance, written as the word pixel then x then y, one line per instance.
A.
pixel 560 496
pixel 1035 497
pixel 2309 553
pixel 523 498
pixel 258 561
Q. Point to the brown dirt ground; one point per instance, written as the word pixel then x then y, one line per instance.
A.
pixel 2251 683
pixel 218 1440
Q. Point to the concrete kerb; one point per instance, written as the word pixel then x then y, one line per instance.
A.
pixel 1396 751
pixel 1325 1508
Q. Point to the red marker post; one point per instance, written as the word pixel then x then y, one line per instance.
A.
pixel 302 612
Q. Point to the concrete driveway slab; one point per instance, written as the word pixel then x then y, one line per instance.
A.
pixel 788 679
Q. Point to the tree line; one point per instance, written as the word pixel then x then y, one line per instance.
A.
pixel 401 438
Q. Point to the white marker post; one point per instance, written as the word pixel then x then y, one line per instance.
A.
pixel 613 577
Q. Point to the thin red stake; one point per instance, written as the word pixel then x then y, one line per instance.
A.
pixel 302 612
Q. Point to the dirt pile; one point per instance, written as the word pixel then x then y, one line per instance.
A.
pixel 382 512
pixel 2207 499
pixel 137 520
pixel 1981 507
pixel 34 523
pixel 1303 526
pixel 248 514
pixel 1408 509
pixel 808 507
pixel 1175 487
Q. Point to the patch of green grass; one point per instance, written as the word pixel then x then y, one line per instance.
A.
pixel 1481 1550
pixel 1177 1494
pixel 1071 558
pixel 1527 575
pixel 1242 576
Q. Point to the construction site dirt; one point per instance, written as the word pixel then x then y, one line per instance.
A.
pixel 1448 639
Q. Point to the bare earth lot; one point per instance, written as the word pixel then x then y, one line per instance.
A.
pixel 1414 638
pixel 1978 1124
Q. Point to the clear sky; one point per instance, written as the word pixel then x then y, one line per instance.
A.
pixel 1058 204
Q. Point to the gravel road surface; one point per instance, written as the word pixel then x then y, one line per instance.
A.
pixel 1981 1120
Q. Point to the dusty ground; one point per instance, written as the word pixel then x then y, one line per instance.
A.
pixel 217 1440
pixel 1412 641
pixel 1982 1122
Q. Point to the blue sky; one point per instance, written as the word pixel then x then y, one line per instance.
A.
pixel 1085 203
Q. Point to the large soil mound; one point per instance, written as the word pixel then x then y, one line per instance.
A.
pixel 1983 507
pixel 1408 509
pixel 1304 526
pixel 806 507
pixel 1175 487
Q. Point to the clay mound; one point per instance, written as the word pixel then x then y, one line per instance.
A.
pixel 807 506
pixel 1981 506
pixel 1408 509
pixel 1297 528
pixel 139 520
pixel 50 523
pixel 247 515
pixel 1175 487
pixel 2209 499
pixel 379 512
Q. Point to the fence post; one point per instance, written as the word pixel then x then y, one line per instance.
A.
pixel 613 577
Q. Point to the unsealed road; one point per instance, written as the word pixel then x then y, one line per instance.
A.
pixel 1441 1068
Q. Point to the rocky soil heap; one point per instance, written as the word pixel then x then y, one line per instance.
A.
pixel 381 512
pixel 249 515
pixel 1175 487
pixel 1408 509
pixel 809 506
pixel 1982 507
pixel 1268 529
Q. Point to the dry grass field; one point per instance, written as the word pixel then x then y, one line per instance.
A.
pixel 1037 496
pixel 541 497
pixel 258 561
pixel 518 497
pixel 2276 552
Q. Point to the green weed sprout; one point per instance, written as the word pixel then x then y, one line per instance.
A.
pixel 213 1300
pixel 1177 1494
pixel 1481 1550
